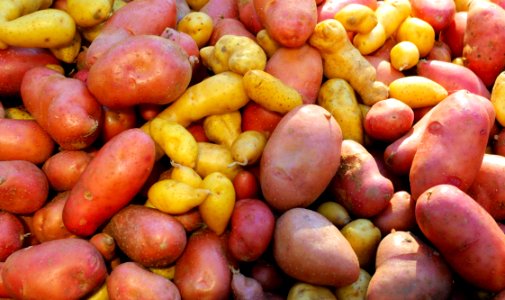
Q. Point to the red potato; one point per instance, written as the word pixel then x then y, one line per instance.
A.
pixel 498 145
pixel 269 275
pixel 185 41
pixel 116 121
pixel 388 120
pixel 399 181
pixel 438 13
pixel 129 280
pixel 15 61
pixel 454 33
pixel 440 51
pixel 248 16
pixel 467 236
pixel 24 187
pixel 307 140
pixel 59 269
pixel 3 291
pixel 24 140
pixel 407 268
pixel 47 222
pixel 358 184
pixel 245 288
pixel 328 8
pixel 398 215
pixel 191 221
pixel 246 185
pixel 82 75
pixel 147 236
pixel 148 111
pixel 384 51
pixel 252 228
pixel 385 71
pixel 140 69
pixel 460 119
pixel 256 117
pixel 196 129
pixel 228 26
pixel 289 22
pixel 484 42
pixel 221 9
pixel 452 77
pixel 202 270
pixel 290 65
pixel 111 180
pixel 62 106
pixel 105 244
pixel 64 168
pixel 11 234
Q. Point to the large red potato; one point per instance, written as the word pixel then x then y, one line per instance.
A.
pixel 11 234
pixel 59 269
pixel 467 236
pixel 438 13
pixel 307 140
pixel 24 187
pixel 110 181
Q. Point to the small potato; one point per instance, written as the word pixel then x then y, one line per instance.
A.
pixel 228 26
pixel 215 158
pixel 386 73
pixel 64 168
pixel 388 120
pixel 246 185
pixel 11 234
pixel 418 32
pixel 417 91
pixel 256 117
pixel 398 215
pixel 248 147
pixel 47 221
pixel 305 291
pixel 364 238
pixel 357 17
pixel 185 174
pixel 356 290
pixel 369 42
pixel 198 25
pixel 438 14
pixel 266 42
pixel 174 197
pixel 216 210
pixel 335 213
pixel 224 128
pixel 404 55
pixel 116 121
pixel 105 244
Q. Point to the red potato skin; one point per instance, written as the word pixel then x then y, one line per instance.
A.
pixel 246 185
pixel 399 215
pixel 59 269
pixel 24 140
pixel 184 40
pixel 290 65
pixel 3 291
pixel 116 121
pixel 328 8
pixel 24 187
pixel 111 180
pixel 289 22
pixel 147 236
pixel 454 33
pixel 498 145
pixel 140 69
pixel 11 234
pixel 228 26
pixel 460 119
pixel 196 129
pixel 248 16
pixel 452 77
pixel 295 150
pixel 202 271
pixel 385 71
pixel 15 61
pixel 256 117
pixel 487 187
pixel 466 235
pixel 438 13
pixel 47 221
pixel 440 51
pixel 62 106
pixel 105 244
pixel 131 281
pixel 484 42
pixel 191 220
pixel 389 119
pixel 221 9
pixel 358 184
pixel 64 168
pixel 268 275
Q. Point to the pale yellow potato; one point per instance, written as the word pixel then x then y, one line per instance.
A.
pixel 417 91
pixel 306 291
pixel 368 42
pixel 270 92
pixel 100 294
pixel 174 197
pixel 419 32
pixel 404 55
pixel 198 25
pixel 335 213
pixel 47 28
pixel 357 17
pixel 186 175
pixel 338 97
pixel 217 208
pixel 68 53
pixel 248 147
pixel 215 158
pixel 224 128
pixel 87 13
pixel 266 42
pixel 90 33
pixel 167 272
pixel 356 290
pixel 364 238
pixel 498 98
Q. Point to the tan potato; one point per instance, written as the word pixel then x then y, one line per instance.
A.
pixel 364 238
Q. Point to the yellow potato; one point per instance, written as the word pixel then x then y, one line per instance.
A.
pixel 174 197
pixel 18 113
pixel 404 55
pixel 68 53
pixel 177 142
pixel 356 290
pixel 417 91
pixel 87 13
pixel 215 158
pixel 217 208
pixel 47 28
pixel 248 147
pixel 368 42
pixel 335 213
pixel 198 25
pixel 196 4
pixel 266 42
pixel 364 238
pixel 234 53
pixel 100 294
pixel 306 291
pixel 338 97
pixel 186 175
pixel 357 17
pixel 270 92
pixel 498 98
pixel 462 5
pixel 167 272
pixel 90 33
pixel 419 32
pixel 224 128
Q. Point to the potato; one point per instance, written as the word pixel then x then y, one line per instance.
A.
pixel 404 55
pixel 256 117
pixel 202 271
pixel 246 185
pixel 307 139
pixel 385 71
pixel 356 290
pixel 228 26
pixel 407 268
pixel 64 168
pixel 453 34
pixel 220 9
pixel 335 213
pixel 24 187
pixel 417 91
pixel 357 18
pixel 358 184
pixel 305 241
pixel 388 120
pixel 268 275
pixel 116 121
pixel 398 215
pixel 47 222
pixel 224 128
pixel 364 238
pixel 147 236
pixel 62 106
pixel 248 147
pixel 289 22
pixel 497 96
pixel 175 197
pixel 11 234
pixel 246 287
pixel 440 157
pixel 440 51
pixel 95 197
pixel 24 140
pixel 59 269
pixel 327 9
pixel 266 42
pixel 438 14
pixel 198 25
pixel 129 280
pixel 467 236
pixel 89 13
pixel 419 32
pixel 217 208
pixel 105 244
pixel 215 158
pixel 305 291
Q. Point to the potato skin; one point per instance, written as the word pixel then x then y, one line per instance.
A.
pixel 24 187
pixel 407 268
pixel 113 177
pixel 59 269
pixel 64 168
pixel 306 140
pixel 11 234
pixel 47 222
pixel 466 235
pixel 310 248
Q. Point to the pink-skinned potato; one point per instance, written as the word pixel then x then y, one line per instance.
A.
pixel 399 215
pixel 140 69
pixel 307 140
pixel 309 248
pixel 440 51
pixel 60 269
pixel 465 234
pixel 388 120
pixel 328 8
pixel 47 221
pixel 221 9
pixel 385 71
pixel 244 287
pixel 229 26
pixel 11 234
pixel 438 13
pixel 64 168
pixel 248 16
pixel 454 33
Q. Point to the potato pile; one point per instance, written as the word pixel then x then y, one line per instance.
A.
pixel 252 149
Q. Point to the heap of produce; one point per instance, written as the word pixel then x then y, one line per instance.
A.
pixel 252 149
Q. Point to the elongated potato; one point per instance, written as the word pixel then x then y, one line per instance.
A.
pixel 417 91
pixel 89 13
pixel 173 197
pixel 217 208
